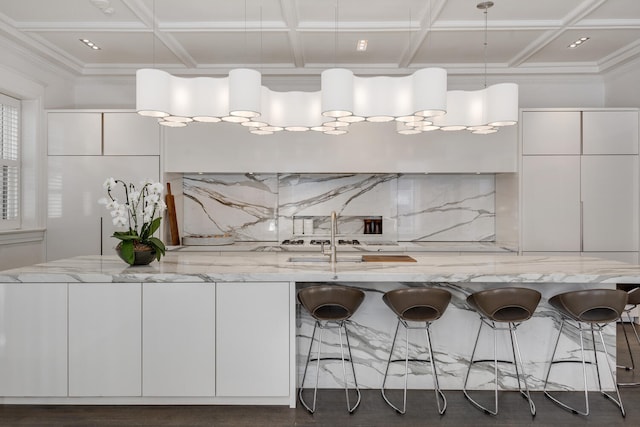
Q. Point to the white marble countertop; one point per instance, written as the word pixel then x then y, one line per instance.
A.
pixel 276 266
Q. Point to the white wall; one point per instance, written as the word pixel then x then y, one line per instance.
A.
pixel 36 85
pixel 622 87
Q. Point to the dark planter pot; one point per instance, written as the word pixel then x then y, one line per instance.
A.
pixel 141 256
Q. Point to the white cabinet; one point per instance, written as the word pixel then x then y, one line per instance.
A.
pixel 252 335
pixel 228 148
pixel 610 132
pixel 105 339
pixel 551 203
pixel 579 182
pixel 551 132
pixel 33 329
pixel 178 328
pixel 74 133
pixel 610 203
pixel 74 188
pixel 130 134
pixel 86 148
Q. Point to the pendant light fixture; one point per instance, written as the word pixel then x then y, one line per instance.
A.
pixel 417 103
pixel 483 111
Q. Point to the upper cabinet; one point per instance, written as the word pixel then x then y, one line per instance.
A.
pixel 550 132
pixel 610 132
pixel 130 134
pixel 74 134
pixel 95 134
pixel 579 132
pixel 580 182
pixel 367 148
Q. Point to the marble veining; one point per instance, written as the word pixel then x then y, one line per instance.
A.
pixel 413 207
pixel 371 332
pixel 275 266
pixel 245 205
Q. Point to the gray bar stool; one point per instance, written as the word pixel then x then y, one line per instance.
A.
pixel 633 300
pixel 590 310
pixel 423 305
pixel 331 306
pixel 509 307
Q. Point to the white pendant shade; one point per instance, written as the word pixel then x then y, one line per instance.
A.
pixel 211 100
pixel 245 90
pixel 295 111
pixel 429 92
pixel 502 104
pixel 153 92
pixel 418 102
pixel 337 92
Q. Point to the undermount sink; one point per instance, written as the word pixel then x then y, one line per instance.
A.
pixel 325 259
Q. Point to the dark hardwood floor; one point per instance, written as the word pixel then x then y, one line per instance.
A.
pixel 331 411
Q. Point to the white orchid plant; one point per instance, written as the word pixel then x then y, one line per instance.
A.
pixel 141 208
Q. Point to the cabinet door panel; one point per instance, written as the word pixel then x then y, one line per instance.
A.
pixel 610 132
pixel 551 203
pixel 74 134
pixel 105 339
pixel 178 324
pixel 74 188
pixel 130 134
pixel 610 203
pixel 33 326
pixel 252 335
pixel 550 132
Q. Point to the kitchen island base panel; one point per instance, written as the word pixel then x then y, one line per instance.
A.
pixel 453 334
pixel 453 337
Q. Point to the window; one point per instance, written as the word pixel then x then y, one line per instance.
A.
pixel 9 163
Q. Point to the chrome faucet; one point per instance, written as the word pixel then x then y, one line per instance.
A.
pixel 332 246
pixel 334 229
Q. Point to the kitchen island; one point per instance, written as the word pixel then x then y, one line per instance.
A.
pixel 224 327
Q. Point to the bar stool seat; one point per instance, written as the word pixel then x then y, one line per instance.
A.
pixel 510 306
pixel 594 308
pixel 416 305
pixel 331 306
pixel 633 300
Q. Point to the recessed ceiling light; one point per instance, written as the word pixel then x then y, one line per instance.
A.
pixel 362 45
pixel 90 44
pixel 578 42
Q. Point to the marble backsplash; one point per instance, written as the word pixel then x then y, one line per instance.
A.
pixel 272 207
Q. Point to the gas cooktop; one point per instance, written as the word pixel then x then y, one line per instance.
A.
pixel 300 242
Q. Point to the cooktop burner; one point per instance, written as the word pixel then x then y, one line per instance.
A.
pixel 319 242
pixel 349 242
pixel 327 242
pixel 293 242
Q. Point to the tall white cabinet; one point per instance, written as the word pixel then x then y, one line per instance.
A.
pixel 84 149
pixel 580 184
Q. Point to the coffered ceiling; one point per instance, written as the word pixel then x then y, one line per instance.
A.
pixel 294 37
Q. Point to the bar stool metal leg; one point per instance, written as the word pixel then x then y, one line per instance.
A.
pixel 626 338
pixel 617 400
pixel 517 360
pixel 340 325
pixel 440 397
pixel 353 370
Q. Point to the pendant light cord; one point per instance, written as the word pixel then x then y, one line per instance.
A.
pixel 335 37
pixel 484 54
pixel 153 33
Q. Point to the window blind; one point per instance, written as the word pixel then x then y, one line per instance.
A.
pixel 9 162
